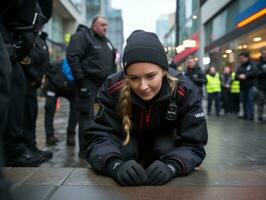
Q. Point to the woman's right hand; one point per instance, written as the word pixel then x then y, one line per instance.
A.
pixel 129 173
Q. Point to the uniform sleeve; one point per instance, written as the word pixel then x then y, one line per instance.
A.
pixel 192 131
pixel 75 51
pixel 102 131
pixel 252 73
pixel 201 80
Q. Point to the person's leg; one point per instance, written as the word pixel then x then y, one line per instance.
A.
pixel 16 152
pixel 49 112
pixel 209 105
pixel 260 104
pixel 85 102
pixel 250 103
pixel 243 94
pixel 217 97
pixel 30 115
pixel 72 120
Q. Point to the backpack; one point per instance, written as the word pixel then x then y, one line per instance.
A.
pixel 67 71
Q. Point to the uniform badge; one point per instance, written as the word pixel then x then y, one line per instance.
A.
pixel 97 110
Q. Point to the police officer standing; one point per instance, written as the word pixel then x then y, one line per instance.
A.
pixel 246 74
pixel 194 73
pixel 91 57
pixel 19 29
pixel 261 83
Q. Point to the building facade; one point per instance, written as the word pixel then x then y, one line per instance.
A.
pixel 230 27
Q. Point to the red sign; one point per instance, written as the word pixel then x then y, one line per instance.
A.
pixel 188 51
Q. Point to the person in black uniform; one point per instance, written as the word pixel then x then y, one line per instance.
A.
pixel 147 125
pixel 34 73
pixel 195 73
pixel 91 57
pixel 246 74
pixel 19 28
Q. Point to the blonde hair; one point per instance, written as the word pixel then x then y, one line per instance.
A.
pixel 124 106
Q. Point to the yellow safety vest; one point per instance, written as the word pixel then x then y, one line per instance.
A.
pixel 213 83
pixel 235 85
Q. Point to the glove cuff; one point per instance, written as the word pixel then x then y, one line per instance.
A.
pixel 175 167
pixel 112 166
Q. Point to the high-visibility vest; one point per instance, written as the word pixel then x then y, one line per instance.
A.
pixel 235 85
pixel 213 83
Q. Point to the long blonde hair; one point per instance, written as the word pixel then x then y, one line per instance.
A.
pixel 124 106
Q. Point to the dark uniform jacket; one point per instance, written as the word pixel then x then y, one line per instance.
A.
pixel 104 133
pixel 90 56
pixel 250 71
pixel 40 61
pixel 197 76
pixel 261 75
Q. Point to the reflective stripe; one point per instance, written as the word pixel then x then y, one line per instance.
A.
pixel 213 83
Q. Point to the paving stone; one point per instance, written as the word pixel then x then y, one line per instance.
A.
pixel 81 176
pixel 33 192
pixel 49 176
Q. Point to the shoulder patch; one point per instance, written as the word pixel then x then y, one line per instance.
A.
pixel 97 110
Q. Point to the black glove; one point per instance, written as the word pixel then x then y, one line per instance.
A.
pixel 159 173
pixel 127 173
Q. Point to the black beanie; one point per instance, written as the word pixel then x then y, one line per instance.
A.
pixel 144 46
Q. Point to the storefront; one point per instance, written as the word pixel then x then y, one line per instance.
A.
pixel 236 29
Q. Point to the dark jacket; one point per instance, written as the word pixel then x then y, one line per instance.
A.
pixel 250 71
pixel 90 56
pixel 197 76
pixel 57 82
pixel 40 61
pixel 261 74
pixel 104 134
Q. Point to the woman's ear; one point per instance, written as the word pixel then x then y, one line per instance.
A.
pixel 164 72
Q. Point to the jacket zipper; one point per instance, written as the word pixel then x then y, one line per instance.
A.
pixel 141 121
pixel 148 117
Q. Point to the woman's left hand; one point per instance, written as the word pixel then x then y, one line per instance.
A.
pixel 159 173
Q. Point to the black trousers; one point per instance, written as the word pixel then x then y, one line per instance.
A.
pixel 50 108
pixel 13 139
pixel 226 100
pixel 30 115
pixel 235 102
pixel 86 98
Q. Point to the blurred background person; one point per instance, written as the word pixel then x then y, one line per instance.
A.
pixel 91 57
pixel 58 85
pixel 261 83
pixel 194 73
pixel 226 80
pixel 213 89
pixel 246 74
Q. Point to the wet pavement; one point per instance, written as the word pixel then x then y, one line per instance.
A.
pixel 234 168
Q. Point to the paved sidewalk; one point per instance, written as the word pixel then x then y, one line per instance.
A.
pixel 235 168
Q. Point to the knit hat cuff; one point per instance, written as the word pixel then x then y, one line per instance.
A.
pixel 142 54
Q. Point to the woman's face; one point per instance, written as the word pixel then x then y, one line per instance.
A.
pixel 145 79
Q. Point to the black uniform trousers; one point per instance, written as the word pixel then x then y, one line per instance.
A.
pixel 5 81
pixel 30 115
pixel 13 135
pixel 50 108
pixel 87 94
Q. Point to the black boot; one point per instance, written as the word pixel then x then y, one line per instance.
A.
pixel 25 158
pixel 70 138
pixel 48 155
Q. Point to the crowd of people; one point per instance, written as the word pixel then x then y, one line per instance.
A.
pixel 229 89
